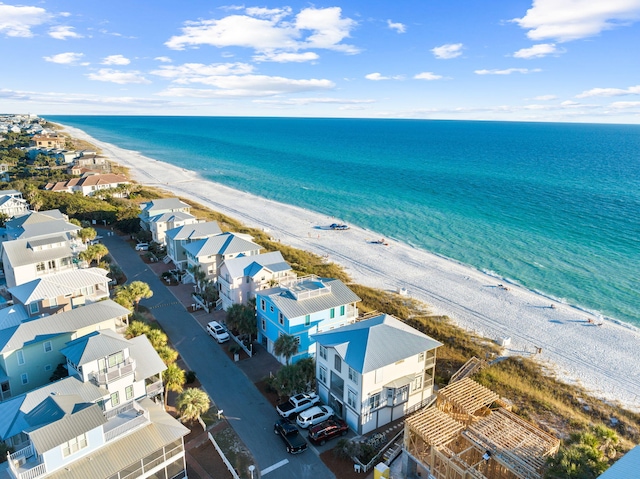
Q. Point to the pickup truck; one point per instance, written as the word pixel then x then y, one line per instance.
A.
pixel 297 403
pixel 292 439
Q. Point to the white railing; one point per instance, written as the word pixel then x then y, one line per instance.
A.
pixel 154 388
pixel 127 426
pixel 24 452
pixel 223 457
pixel 15 463
pixel 111 374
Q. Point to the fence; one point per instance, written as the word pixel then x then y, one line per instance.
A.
pixel 223 457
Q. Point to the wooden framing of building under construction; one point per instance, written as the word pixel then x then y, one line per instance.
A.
pixel 466 400
pixel 499 445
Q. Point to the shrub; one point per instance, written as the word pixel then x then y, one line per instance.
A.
pixel 190 377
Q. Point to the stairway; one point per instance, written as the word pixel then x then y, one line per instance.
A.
pixel 471 367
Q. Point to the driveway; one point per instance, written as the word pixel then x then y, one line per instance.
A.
pixel 247 410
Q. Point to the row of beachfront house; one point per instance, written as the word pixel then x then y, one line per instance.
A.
pixel 106 415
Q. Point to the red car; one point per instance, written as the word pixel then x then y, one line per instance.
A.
pixel 332 427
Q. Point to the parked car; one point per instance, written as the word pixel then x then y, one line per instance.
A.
pixel 314 415
pixel 292 439
pixel 142 247
pixel 297 403
pixel 217 332
pixel 332 427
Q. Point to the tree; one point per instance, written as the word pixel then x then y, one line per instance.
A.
pixel 242 319
pixel 94 252
pixel 192 403
pixel 167 354
pixel 174 379
pixel 136 328
pixel 87 234
pixel 157 338
pixel 133 292
pixel 198 275
pixel 286 345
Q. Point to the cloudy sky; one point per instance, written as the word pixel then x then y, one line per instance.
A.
pixel 532 60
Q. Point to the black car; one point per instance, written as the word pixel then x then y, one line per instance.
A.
pixel 290 436
pixel 332 427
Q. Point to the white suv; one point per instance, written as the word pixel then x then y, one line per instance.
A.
pixel 313 416
pixel 217 332
pixel 142 247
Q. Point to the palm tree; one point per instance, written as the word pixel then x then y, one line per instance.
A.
pixel 192 403
pixel 87 234
pixel 198 275
pixel 99 251
pixel 286 345
pixel 167 354
pixel 136 328
pixel 138 290
pixel 157 338
pixel 174 380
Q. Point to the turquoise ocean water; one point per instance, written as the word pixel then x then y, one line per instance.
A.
pixel 554 207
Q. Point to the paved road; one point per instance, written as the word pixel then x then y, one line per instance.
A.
pixel 247 410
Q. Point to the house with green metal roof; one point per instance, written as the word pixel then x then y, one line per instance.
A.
pixel 374 371
pixel 302 307
pixel 98 422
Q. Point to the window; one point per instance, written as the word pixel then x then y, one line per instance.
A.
pixel 116 359
pixel 33 308
pixel 322 375
pixel 263 305
pixel 24 377
pixel 281 318
pixel 51 264
pixel 401 395
pixel 342 310
pixel 323 352
pixel 307 320
pixel 264 325
pixel 332 313
pixel 420 357
pixel 40 267
pixel 352 398
pixel 47 346
pixel 416 385
pixel 374 401
pixel 53 302
pixel 353 375
pixel 115 399
pixel 74 445
pixel 128 392
pixel 337 363
pixel 271 308
pixel 20 357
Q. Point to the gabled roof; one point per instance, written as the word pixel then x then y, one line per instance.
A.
pixel 194 231
pixel 225 243
pixel 12 316
pixel 337 294
pixel 93 346
pixel 163 204
pixel 148 363
pixel 36 217
pixel 59 284
pixel 377 342
pixel 41 329
pixel 39 223
pixel 252 265
pixel 13 411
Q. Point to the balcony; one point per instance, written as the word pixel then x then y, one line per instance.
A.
pixel 123 420
pixel 109 375
pixel 25 464
pixel 153 388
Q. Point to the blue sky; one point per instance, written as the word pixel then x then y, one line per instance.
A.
pixel 533 60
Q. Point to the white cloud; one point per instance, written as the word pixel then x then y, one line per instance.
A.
pixel 309 101
pixel 448 51
pixel 115 60
pixel 398 27
pixel 625 104
pixel 507 71
pixel 377 77
pixel 17 21
pixel 63 32
pixel 64 58
pixel 286 57
pixel 79 99
pixel 427 76
pixel 163 59
pixel 566 20
pixel 268 31
pixel 545 97
pixel 195 72
pixel 117 76
pixel 536 51
pixel 632 90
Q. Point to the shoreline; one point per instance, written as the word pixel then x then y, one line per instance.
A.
pixel 573 345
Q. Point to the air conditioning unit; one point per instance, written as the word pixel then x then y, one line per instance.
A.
pixel 20 461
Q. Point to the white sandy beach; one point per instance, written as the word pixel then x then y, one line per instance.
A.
pixel 600 355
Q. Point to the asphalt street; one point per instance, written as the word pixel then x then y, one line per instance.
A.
pixel 248 412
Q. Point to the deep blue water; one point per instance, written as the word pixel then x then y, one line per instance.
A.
pixel 554 207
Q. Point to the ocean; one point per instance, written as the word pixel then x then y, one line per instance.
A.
pixel 554 207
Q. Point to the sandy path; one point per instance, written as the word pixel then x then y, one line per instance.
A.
pixel 602 358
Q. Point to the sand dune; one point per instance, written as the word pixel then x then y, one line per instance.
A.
pixel 599 354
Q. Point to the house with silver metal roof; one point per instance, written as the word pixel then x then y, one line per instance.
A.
pixel 374 371
pixel 12 203
pixel 30 348
pixel 176 238
pixel 160 215
pixel 35 224
pixel 100 421
pixel 302 307
pixel 208 254
pixel 240 278
pixel 63 291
